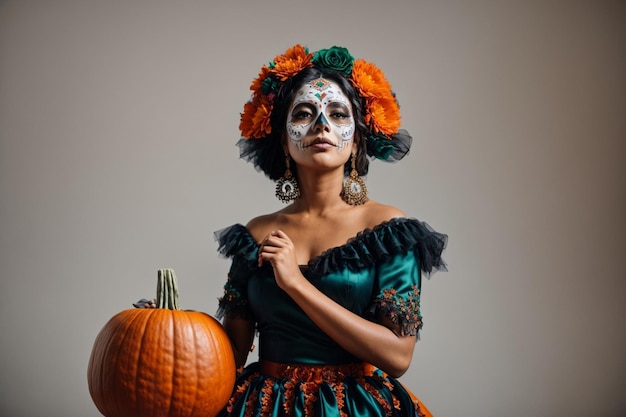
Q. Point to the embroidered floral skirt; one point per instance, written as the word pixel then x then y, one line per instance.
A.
pixel 312 390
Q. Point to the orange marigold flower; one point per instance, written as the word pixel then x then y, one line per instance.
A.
pixel 383 112
pixel 292 62
pixel 256 83
pixel 383 115
pixel 255 119
pixel 369 80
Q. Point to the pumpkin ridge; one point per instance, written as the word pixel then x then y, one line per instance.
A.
pixel 173 326
pixel 97 358
pixel 165 385
pixel 216 348
pixel 197 345
pixel 222 380
pixel 142 321
pixel 180 355
pixel 122 343
pixel 202 352
pixel 197 369
pixel 139 364
pixel 101 354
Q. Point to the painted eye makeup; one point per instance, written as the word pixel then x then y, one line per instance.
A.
pixel 303 114
pixel 339 113
pixel 320 101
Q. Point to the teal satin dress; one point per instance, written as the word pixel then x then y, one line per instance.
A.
pixel 375 274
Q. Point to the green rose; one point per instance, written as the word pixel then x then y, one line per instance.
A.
pixel 335 59
pixel 379 146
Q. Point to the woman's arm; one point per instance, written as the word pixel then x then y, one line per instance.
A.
pixel 241 334
pixel 377 344
pixel 384 346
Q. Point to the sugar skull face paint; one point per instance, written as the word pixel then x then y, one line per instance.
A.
pixel 320 102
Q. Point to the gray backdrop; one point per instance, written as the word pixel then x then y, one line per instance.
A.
pixel 118 123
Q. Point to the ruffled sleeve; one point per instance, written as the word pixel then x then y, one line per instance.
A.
pixel 397 293
pixel 237 244
pixel 406 250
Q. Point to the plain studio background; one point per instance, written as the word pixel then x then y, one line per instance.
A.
pixel 118 123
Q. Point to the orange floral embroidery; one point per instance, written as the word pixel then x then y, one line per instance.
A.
pixel 237 394
pixel 306 380
pixel 289 397
pixel 250 403
pixel 377 396
pixel 341 397
pixel 267 399
pixel 240 390
pixel 310 397
pixel 396 403
pixel 403 309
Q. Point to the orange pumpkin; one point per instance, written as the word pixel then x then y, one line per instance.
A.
pixel 161 362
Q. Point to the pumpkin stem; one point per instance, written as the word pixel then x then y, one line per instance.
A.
pixel 167 290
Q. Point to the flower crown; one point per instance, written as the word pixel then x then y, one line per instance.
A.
pixel 382 112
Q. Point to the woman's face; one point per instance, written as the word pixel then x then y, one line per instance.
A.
pixel 320 117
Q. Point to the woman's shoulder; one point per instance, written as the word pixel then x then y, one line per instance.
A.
pixel 260 226
pixel 375 213
pixel 369 216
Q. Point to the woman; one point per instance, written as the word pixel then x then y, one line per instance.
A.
pixel 331 282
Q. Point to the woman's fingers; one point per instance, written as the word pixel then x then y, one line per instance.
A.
pixel 273 243
pixel 274 239
pixel 267 248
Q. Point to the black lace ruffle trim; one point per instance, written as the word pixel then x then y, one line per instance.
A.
pixel 390 238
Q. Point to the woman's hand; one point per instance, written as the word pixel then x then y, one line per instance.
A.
pixel 279 251
pixel 375 343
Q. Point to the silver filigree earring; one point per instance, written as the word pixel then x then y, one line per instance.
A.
pixel 354 189
pixel 287 187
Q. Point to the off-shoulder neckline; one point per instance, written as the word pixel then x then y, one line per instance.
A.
pixel 350 241
pixel 369 246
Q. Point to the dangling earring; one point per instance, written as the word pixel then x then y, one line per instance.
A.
pixel 287 187
pixel 354 189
